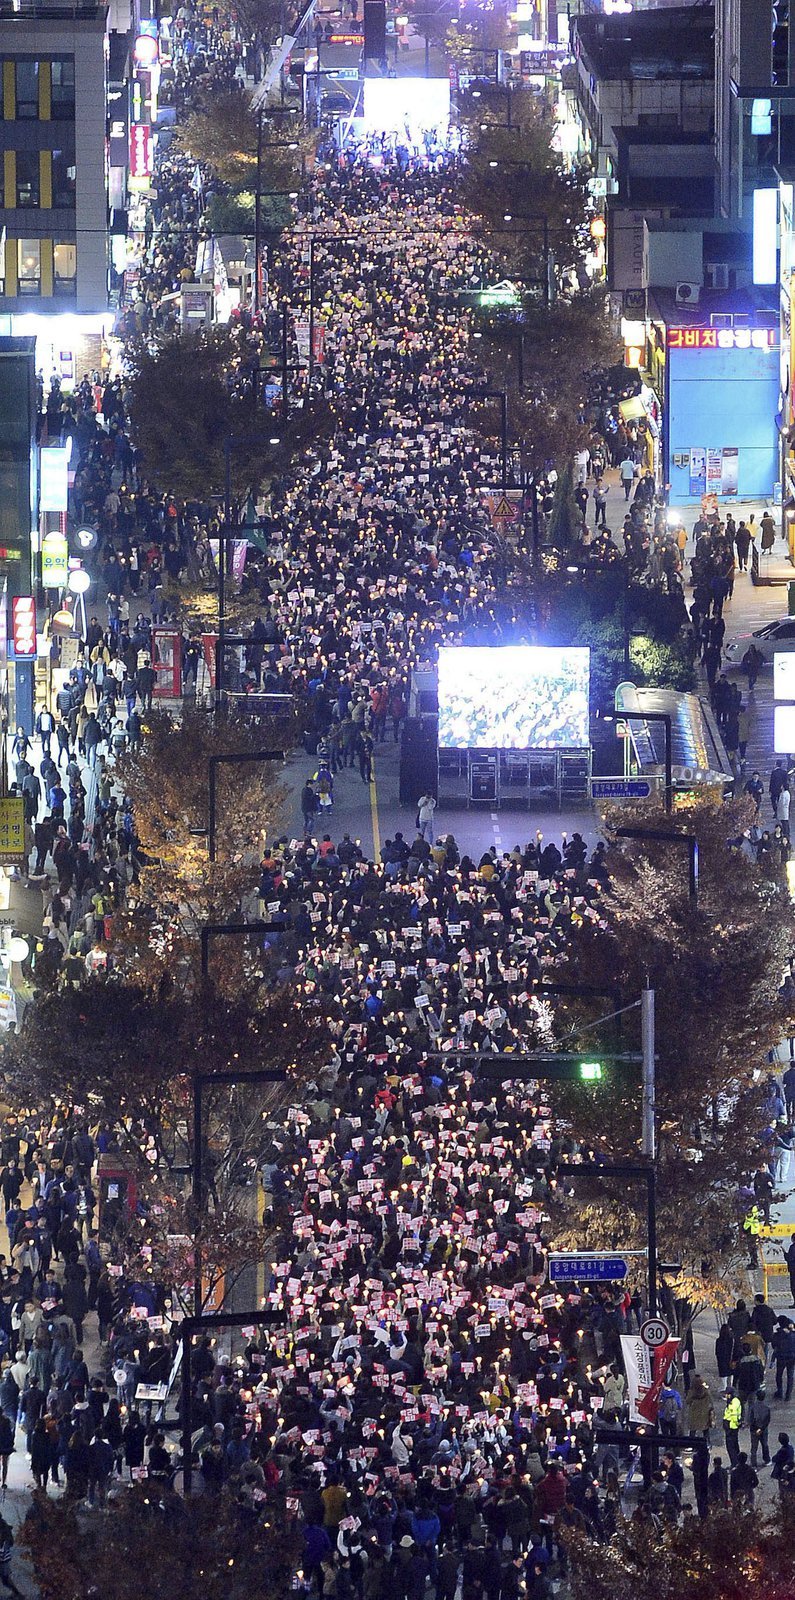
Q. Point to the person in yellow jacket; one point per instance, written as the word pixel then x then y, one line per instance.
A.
pixel 752 1224
pixel 732 1418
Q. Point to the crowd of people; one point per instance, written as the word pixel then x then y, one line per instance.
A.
pixel 431 1408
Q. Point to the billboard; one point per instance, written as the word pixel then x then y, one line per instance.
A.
pixel 513 697
pixel 395 105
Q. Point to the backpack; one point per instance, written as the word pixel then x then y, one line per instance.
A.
pixel 668 1408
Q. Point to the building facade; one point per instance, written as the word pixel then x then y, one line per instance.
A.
pixel 54 201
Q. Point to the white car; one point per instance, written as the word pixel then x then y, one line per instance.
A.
pixel 778 635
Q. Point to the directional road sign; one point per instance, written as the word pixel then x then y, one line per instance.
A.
pixel 586 1268
pixel 620 788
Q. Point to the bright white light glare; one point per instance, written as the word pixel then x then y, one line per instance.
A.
pixel 392 103
pixel 79 581
pixel 784 675
pixel 18 948
pixel 762 118
pixel 784 730
pixel 765 229
pixel 513 697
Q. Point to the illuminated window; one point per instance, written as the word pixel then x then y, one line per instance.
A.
pixel 27 178
pixel 27 91
pixel 63 88
pixel 65 266
pixel 29 266
pixel 64 174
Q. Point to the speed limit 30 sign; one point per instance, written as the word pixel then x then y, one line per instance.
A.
pixel 654 1332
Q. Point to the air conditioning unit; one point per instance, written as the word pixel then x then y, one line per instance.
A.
pixel 687 294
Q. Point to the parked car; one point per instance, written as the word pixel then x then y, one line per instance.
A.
pixel 778 635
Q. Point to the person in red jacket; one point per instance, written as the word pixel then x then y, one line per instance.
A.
pixel 550 1493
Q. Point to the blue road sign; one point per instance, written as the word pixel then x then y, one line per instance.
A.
pixel 587 1269
pixel 620 788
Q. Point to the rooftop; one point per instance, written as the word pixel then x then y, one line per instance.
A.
pixel 677 42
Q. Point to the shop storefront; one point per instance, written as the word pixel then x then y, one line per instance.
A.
pixel 721 399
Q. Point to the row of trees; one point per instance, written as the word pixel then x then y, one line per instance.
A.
pixel 545 347
pixel 126 1048
pixel 717 969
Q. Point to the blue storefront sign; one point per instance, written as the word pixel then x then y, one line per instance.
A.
pixel 722 393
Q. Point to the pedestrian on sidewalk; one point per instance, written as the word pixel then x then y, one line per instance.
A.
pixel 627 472
pixel 426 806
pixel 743 1480
pixel 45 727
pixel 742 540
pixel 784 1352
pixel 759 1423
pixel 751 662
pixel 732 1422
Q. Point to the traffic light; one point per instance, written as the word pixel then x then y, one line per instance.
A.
pixel 590 1071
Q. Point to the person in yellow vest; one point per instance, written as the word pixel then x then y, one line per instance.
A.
pixel 752 1224
pixel 732 1419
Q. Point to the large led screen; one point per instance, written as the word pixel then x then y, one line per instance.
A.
pixel 513 697
pixel 395 105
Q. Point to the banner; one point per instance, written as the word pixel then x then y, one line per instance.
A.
pixel 645 1371
pixel 714 471
pixel 698 470
pixel 637 1366
pixel 209 641
pixel 239 548
pixel 731 469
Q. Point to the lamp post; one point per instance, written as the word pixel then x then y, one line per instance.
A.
pixel 231 442
pixel 78 584
pixel 292 144
pixel 502 396
pixel 188 1329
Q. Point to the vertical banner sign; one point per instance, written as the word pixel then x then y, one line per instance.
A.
pixel 54 559
pixel 637 1366
pixel 714 471
pixel 140 150
pixel 12 828
pixel 645 1370
pixel 731 469
pixel 54 478
pixel 23 627
pixel 239 549
pixel 698 470
pixel 302 340
pixel 209 641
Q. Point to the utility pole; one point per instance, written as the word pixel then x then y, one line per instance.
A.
pixel 647 1043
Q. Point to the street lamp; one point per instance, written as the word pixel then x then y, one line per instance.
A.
pixel 78 583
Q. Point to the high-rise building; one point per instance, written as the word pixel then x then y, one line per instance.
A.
pixel 53 182
pixel 755 98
